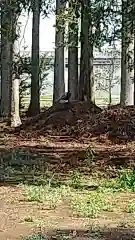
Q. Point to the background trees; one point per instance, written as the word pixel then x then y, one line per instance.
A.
pixel 5 59
pixel 73 32
pixel 91 25
pixel 59 83
pixel 127 39
pixel 34 107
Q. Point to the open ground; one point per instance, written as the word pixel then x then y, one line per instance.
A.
pixel 58 186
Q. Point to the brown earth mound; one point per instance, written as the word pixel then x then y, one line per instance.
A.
pixel 83 119
pixel 116 122
pixel 58 116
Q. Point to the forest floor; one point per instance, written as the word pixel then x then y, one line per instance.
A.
pixel 67 186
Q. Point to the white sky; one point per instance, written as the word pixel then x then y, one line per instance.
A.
pixel 47 32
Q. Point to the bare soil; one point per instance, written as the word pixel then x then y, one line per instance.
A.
pixel 61 157
pixel 14 210
pixel 59 147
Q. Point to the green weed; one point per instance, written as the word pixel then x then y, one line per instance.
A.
pixel 90 205
pixel 50 196
pixel 127 180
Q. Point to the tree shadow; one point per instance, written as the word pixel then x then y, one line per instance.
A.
pixel 36 164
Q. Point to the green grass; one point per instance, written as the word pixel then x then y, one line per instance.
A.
pixel 59 235
pixel 76 190
pixel 91 204
pixel 87 196
pixel 85 203
pixel 127 180
pixel 46 194
pixel 47 100
pixel 94 234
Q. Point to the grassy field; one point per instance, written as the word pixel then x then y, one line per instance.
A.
pixel 47 101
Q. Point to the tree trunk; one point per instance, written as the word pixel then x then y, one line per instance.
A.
pixel 59 82
pixel 15 119
pixel 5 60
pixel 126 97
pixel 134 52
pixel 34 107
pixel 14 51
pixel 73 54
pixel 86 54
pixel 110 91
pixel 92 84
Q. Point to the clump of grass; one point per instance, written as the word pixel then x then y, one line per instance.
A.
pixel 131 207
pixel 89 155
pixel 59 235
pixel 109 207
pixel 75 178
pixel 35 193
pixel 50 196
pixel 127 180
pixel 110 186
pixel 90 205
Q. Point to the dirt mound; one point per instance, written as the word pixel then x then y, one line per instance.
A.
pixel 57 117
pixel 83 119
pixel 116 122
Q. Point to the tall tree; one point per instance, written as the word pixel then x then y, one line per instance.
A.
pixel 84 82
pixel 5 59
pixel 99 24
pixel 34 107
pixel 59 82
pixel 134 58
pixel 126 97
pixel 10 11
pixel 15 78
pixel 73 49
